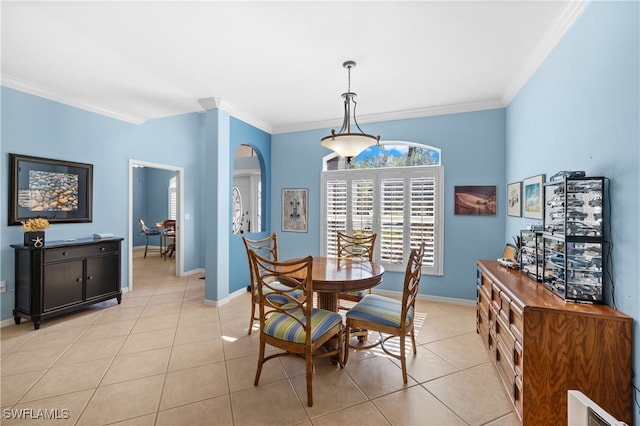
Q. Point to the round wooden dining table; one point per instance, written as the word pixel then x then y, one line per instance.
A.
pixel 332 275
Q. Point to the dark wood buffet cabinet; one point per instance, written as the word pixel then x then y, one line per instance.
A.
pixel 543 346
pixel 65 276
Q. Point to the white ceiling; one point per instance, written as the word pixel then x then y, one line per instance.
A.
pixel 278 65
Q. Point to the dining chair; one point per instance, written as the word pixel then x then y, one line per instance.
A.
pixel 389 316
pixel 148 232
pixel 358 247
pixel 295 327
pixel 266 247
pixel 169 233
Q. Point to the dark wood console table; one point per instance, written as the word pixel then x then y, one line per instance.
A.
pixel 65 276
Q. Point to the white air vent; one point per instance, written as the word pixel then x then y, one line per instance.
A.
pixel 582 411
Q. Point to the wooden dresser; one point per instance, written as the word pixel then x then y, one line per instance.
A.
pixel 543 346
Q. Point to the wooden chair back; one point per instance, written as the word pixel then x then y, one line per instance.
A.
pixel 356 246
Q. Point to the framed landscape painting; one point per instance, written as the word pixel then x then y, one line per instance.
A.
pixel 533 201
pixel 475 200
pixel 57 190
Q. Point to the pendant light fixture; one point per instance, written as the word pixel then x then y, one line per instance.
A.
pixel 344 143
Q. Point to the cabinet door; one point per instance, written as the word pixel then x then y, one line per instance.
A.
pixel 62 284
pixel 103 275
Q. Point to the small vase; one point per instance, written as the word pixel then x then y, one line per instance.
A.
pixel 34 239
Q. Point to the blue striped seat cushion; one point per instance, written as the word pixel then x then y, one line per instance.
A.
pixel 279 299
pixel 283 327
pixel 380 310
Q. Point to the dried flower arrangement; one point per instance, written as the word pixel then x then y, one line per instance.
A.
pixel 35 224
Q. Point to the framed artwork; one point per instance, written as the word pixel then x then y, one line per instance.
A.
pixel 475 200
pixel 59 191
pixel 533 200
pixel 514 198
pixel 295 204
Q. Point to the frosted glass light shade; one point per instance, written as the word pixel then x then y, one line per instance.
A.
pixel 348 145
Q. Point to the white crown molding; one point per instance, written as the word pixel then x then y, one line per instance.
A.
pixel 17 84
pixel 544 47
pixel 243 115
pixel 398 115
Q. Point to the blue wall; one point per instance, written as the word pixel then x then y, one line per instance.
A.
pixel 150 199
pixel 473 153
pixel 43 128
pixel 580 111
pixel 242 133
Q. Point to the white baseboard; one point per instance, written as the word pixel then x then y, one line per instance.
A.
pixel 439 299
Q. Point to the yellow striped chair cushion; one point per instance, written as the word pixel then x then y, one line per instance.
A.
pixel 379 309
pixel 283 327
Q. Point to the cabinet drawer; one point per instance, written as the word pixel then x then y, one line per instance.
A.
pixel 518 396
pixel 517 358
pixel 504 335
pixel 515 320
pixel 505 369
pixel 64 253
pixel 483 301
pixel 505 301
pixel 496 301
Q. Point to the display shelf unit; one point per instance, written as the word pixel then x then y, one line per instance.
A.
pixel 575 207
pixel 573 240
pixel 543 347
pixel 531 254
pixel 63 277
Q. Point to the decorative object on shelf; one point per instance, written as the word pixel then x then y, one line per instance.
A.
pixel 60 191
pixel 294 210
pixel 514 197
pixel 344 143
pixel 475 200
pixel 34 231
pixel 533 204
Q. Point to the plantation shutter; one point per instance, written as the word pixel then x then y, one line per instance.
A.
pixel 336 211
pixel 402 205
pixel 173 199
pixel 362 207
pixel 423 204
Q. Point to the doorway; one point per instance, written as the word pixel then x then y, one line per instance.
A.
pixel 179 198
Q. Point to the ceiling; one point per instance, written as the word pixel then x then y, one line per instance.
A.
pixel 278 65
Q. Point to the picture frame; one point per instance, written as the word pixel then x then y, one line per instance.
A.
pixel 533 197
pixel 57 190
pixel 295 208
pixel 514 199
pixel 475 200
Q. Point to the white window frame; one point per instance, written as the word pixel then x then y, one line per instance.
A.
pixel 377 175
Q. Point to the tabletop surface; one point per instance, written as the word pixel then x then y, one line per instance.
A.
pixel 339 274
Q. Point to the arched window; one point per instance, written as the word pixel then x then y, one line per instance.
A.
pixel 387 154
pixel 393 190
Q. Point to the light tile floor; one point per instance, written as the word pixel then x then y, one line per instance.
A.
pixel 163 357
